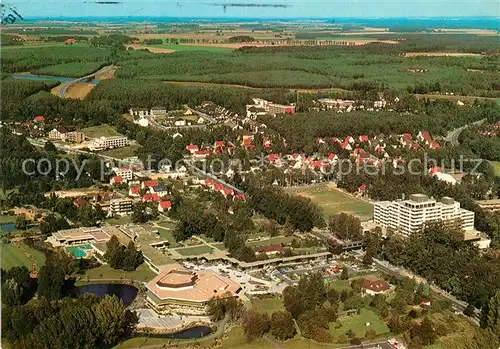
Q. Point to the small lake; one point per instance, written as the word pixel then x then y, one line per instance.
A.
pixel 190 333
pixel 126 293
pixel 47 78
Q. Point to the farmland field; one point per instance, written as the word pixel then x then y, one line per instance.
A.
pixel 210 48
pixel 333 201
pixel 79 90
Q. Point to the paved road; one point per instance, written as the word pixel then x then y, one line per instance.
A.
pixel 66 85
pixel 203 115
pixel 453 135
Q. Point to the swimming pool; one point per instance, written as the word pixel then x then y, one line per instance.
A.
pixel 79 251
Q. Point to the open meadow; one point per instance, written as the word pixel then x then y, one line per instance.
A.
pixel 332 201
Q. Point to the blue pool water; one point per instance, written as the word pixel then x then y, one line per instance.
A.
pixel 47 78
pixel 7 227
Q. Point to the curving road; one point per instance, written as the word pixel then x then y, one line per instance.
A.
pixel 453 135
pixel 66 85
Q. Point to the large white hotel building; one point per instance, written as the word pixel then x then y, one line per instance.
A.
pixel 409 216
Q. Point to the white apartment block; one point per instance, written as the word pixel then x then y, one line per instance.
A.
pixel 109 142
pixel 120 206
pixel 409 216
pixel 124 173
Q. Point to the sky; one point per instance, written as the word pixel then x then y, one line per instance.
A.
pixel 296 9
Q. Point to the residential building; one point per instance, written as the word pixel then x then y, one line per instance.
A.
pixel 158 111
pixel 109 142
pixel 164 206
pixel 159 190
pixel 120 206
pixel 74 136
pixel 489 205
pixel 140 112
pixel 58 133
pixel 339 104
pixel 124 173
pixel 409 216
pixel 280 109
pixel 181 291
pixel 373 287
pixel 82 235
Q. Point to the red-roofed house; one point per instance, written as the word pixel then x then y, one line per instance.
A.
pixel 373 287
pixel 320 140
pixel 202 153
pixel 362 188
pixel 335 139
pixel 80 201
pixel 149 184
pixel 150 197
pixel 266 142
pixel 192 148
pixel 269 249
pixel 209 182
pixel 227 192
pixel 359 152
pixel 425 302
pixel 332 157
pixel 364 139
pixel 164 206
pixel 219 144
pixel 379 148
pixel 218 187
pixel 273 158
pixel 349 139
pixel 435 169
pixel 240 197
pixel 434 145
pixel 424 136
pixel 70 41
pixel 117 180
pixel 134 192
pixel 346 146
pixel 39 118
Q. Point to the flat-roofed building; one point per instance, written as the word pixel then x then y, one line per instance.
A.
pixel 182 291
pixel 409 216
pixel 120 207
pixel 82 235
pixel 124 172
pixel 109 142
pixel 489 205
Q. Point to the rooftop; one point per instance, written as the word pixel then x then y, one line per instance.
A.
pixel 176 283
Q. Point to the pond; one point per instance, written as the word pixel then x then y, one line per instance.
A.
pixel 7 227
pixel 189 333
pixel 126 293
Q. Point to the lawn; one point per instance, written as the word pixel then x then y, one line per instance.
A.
pixel 356 323
pixel 7 219
pixel 334 201
pixel 39 256
pixel 100 131
pixel 340 285
pixel 496 167
pixel 271 241
pixel 121 153
pixel 220 246
pixel 194 251
pixel 192 48
pixel 13 257
pixel 168 235
pixel 142 273
pixel 267 305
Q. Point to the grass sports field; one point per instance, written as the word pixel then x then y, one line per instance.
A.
pixel 267 305
pixel 332 201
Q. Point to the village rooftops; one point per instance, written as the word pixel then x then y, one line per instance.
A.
pixel 376 286
pixel 176 283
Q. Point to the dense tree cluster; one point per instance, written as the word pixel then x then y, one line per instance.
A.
pixel 273 203
pixel 86 322
pixel 485 147
pixel 345 226
pixel 440 254
pixel 121 257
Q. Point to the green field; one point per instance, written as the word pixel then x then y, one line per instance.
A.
pixel 167 234
pixel 72 70
pixel 39 256
pixel 142 273
pixel 195 251
pixel 272 241
pixel 334 201
pixel 13 257
pixel 267 305
pixel 356 323
pixel 192 48
pixel 496 167
pixel 103 130
pixel 7 219
pixel 121 153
